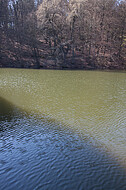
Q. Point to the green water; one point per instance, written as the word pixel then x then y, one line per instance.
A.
pixel 90 103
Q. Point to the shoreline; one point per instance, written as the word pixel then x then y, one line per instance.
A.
pixel 67 69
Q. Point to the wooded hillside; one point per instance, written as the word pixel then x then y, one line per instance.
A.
pixel 61 34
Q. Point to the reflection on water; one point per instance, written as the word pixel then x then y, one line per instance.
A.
pixel 62 130
pixel 40 154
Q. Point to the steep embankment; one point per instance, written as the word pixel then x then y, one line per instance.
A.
pixel 16 55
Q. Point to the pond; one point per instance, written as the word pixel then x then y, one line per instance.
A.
pixel 62 129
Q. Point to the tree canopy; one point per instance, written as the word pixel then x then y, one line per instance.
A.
pixel 62 33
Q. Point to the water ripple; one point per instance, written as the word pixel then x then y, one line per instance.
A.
pixel 72 136
pixel 44 156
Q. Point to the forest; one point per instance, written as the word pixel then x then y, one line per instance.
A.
pixel 63 34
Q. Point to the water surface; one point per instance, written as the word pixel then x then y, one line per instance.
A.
pixel 62 129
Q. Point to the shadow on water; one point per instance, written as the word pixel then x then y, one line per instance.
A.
pixel 38 153
pixel 6 109
pixel 6 113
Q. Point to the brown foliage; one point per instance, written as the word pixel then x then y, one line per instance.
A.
pixel 90 32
